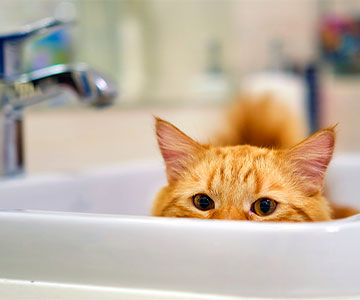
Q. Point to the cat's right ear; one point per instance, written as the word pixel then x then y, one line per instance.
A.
pixel 311 157
pixel 177 149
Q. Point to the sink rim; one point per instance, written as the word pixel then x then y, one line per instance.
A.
pixel 123 250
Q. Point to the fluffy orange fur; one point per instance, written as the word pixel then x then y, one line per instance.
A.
pixel 251 161
pixel 263 122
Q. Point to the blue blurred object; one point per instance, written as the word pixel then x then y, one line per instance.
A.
pixel 340 43
pixel 51 50
pixel 312 84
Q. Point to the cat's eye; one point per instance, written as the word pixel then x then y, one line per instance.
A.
pixel 264 207
pixel 203 202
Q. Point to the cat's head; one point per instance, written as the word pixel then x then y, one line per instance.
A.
pixel 243 182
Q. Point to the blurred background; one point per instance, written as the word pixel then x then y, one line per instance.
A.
pixel 185 61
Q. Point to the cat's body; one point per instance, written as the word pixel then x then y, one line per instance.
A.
pixel 268 180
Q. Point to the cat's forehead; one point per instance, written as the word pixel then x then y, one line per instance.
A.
pixel 240 155
pixel 228 172
pixel 233 164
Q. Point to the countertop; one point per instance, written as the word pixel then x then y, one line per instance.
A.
pixel 78 138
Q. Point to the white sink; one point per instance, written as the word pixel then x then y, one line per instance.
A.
pixel 125 190
pixel 92 229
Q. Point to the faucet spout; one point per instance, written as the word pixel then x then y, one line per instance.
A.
pixel 19 89
pixel 89 85
pixel 19 92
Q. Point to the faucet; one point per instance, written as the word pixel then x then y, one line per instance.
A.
pixel 19 89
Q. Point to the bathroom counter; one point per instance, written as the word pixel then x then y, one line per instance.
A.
pixel 68 139
pixel 78 138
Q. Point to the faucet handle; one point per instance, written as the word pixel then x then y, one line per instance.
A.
pixel 11 44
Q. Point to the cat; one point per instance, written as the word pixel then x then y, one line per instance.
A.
pixel 257 170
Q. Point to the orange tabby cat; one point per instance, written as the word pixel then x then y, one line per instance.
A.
pixel 258 177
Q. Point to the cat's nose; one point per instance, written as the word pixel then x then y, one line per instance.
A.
pixel 234 215
pixel 235 218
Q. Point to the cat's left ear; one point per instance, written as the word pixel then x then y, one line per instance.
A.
pixel 310 159
pixel 177 149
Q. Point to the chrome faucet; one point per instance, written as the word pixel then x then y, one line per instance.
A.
pixel 19 89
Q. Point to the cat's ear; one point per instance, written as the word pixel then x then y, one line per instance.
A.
pixel 177 149
pixel 310 159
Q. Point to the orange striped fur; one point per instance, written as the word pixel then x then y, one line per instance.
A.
pixel 235 176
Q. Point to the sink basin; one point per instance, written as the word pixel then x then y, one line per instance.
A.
pixel 93 229
pixel 125 190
